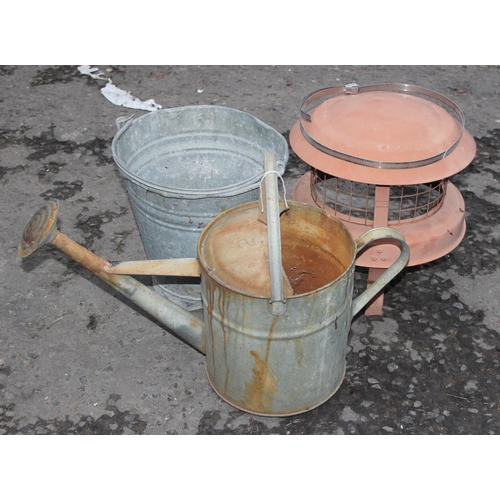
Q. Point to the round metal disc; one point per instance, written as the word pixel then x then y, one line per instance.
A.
pixel 40 229
pixel 386 127
pixel 234 249
pixel 316 249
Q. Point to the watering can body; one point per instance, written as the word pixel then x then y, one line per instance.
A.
pixel 276 365
pixel 289 362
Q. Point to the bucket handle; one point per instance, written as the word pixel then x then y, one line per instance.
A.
pixel 123 121
pixel 380 233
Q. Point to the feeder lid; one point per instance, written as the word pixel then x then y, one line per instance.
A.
pixel 385 134
pixel 233 250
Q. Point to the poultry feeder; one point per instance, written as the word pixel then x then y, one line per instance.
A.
pixel 382 155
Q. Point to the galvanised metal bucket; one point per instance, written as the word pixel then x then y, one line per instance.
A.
pixel 290 362
pixel 184 166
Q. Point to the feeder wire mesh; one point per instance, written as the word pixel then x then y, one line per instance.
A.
pixel 355 201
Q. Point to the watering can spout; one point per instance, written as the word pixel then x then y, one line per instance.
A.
pixel 42 229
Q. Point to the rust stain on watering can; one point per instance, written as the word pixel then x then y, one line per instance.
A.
pixel 259 393
pixel 222 302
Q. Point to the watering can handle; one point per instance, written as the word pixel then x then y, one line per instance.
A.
pixel 380 233
pixel 277 275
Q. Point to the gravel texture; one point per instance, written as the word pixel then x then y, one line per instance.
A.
pixel 77 358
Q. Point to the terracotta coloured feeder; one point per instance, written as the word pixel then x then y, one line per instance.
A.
pixel 382 155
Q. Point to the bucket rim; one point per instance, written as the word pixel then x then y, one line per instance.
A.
pixel 166 190
pixel 173 192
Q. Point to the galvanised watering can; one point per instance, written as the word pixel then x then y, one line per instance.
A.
pixel 277 291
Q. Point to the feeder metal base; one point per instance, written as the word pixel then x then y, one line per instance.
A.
pixel 428 239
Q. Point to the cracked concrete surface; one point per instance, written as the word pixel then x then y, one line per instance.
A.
pixel 77 358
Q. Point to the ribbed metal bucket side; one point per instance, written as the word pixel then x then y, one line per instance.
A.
pixel 170 228
pixel 184 166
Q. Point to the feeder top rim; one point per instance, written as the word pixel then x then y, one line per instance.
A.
pixel 383 126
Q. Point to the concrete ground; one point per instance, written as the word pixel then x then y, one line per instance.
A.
pixel 76 358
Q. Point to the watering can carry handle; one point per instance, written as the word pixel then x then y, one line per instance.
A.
pixel 380 233
pixel 278 303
